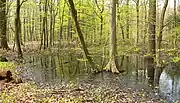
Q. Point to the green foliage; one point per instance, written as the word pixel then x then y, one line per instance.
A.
pixel 176 59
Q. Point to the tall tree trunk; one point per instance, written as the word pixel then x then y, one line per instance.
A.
pixel 44 30
pixel 159 39
pixel 69 26
pixel 113 63
pixel 24 26
pixel 145 22
pixel 45 27
pixel 33 25
pixel 127 20
pixel 80 34
pixel 40 20
pixel 30 24
pixel 46 22
pixel 3 25
pixel 27 22
pixel 152 27
pixel 175 41
pixel 54 22
pixel 101 28
pixel 17 29
pixel 119 18
pixel 101 10
pixel 137 26
pixel 61 25
pixel 20 35
pixel 51 22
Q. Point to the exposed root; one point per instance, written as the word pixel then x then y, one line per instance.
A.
pixel 111 66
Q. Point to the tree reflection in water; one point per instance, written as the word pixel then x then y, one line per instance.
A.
pixel 140 73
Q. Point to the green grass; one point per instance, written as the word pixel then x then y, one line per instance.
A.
pixel 7 66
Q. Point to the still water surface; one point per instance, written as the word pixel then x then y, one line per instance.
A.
pixel 54 69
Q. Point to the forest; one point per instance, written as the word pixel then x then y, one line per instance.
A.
pixel 90 51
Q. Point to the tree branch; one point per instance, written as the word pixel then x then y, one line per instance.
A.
pixel 23 2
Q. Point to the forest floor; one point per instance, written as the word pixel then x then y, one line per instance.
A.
pixel 29 92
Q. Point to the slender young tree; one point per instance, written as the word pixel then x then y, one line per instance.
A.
pixel 46 22
pixel 101 10
pixel 45 25
pixel 61 23
pixel 80 34
pixel 175 41
pixel 69 36
pixel 137 26
pixel 127 19
pixel 159 38
pixel 40 20
pixel 51 22
pixel 3 25
pixel 113 63
pixel 17 29
pixel 145 21
pixel 119 18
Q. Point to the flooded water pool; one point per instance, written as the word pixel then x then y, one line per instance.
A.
pixel 53 70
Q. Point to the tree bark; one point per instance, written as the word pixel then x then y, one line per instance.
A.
pixel 61 25
pixel 113 63
pixel 145 22
pixel 69 26
pixel 51 22
pixel 176 35
pixel 127 20
pixel 101 10
pixel 40 20
pixel 137 26
pixel 24 26
pixel 119 18
pixel 3 25
pixel 44 30
pixel 159 39
pixel 152 27
pixel 46 22
pixel 17 29
pixel 80 34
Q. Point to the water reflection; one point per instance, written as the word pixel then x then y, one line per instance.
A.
pixel 55 68
pixel 170 82
pixel 140 72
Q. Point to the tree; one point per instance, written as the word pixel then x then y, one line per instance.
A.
pixel 152 27
pixel 18 28
pixel 175 44
pixel 61 23
pixel 80 34
pixel 127 20
pixel 3 25
pixel 145 21
pixel 69 36
pixel 40 20
pixel 159 39
pixel 101 10
pixel 113 63
pixel 45 25
pixel 137 26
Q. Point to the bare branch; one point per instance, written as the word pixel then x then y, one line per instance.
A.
pixel 23 2
pixel 170 21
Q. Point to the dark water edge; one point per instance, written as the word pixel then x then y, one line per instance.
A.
pixel 55 70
